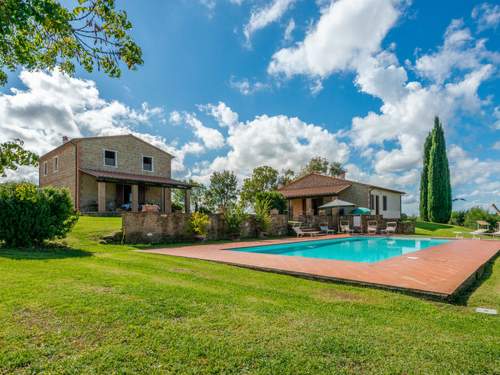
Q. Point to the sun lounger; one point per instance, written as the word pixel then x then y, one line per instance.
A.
pixel 325 229
pixel 301 233
pixel 372 227
pixel 482 228
pixel 391 227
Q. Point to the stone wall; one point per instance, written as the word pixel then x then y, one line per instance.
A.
pixel 141 227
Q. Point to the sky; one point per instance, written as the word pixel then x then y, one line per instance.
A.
pixel 235 84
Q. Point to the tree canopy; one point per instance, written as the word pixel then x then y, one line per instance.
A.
pixel 44 34
pixel 223 190
pixel 13 155
pixel 263 178
pixel 321 165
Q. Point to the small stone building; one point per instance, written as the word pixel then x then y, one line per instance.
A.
pixel 111 173
pixel 306 194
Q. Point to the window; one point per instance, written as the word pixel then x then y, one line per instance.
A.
pixel 147 163
pixel 56 164
pixel 45 168
pixel 372 205
pixel 110 158
pixel 384 203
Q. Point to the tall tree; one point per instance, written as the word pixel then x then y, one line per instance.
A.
pixel 439 191
pixel 263 178
pixel 223 190
pixel 286 176
pixel 336 169
pixel 44 34
pixel 13 155
pixel 424 179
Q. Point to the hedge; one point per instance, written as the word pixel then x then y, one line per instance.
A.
pixel 30 215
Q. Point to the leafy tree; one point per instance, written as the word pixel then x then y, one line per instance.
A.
pixel 439 190
pixel 13 155
pixel 198 198
pixel 458 218
pixel 477 213
pixel 275 198
pixel 223 190
pixel 234 216
pixel 286 176
pixel 424 179
pixel 321 165
pixel 44 34
pixel 336 169
pixel 263 178
pixel 262 207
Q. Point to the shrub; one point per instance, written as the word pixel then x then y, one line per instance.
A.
pixel 199 223
pixel 262 216
pixel 276 200
pixel 458 218
pixel 30 215
pixel 477 213
pixel 234 216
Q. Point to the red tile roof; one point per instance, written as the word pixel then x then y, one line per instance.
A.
pixel 137 178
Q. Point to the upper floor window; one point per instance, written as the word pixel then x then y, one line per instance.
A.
pixel 56 164
pixel 384 203
pixel 110 158
pixel 372 204
pixel 45 169
pixel 147 163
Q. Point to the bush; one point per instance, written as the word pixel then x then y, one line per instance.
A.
pixel 276 200
pixel 458 218
pixel 30 215
pixel 262 215
pixel 234 217
pixel 199 223
pixel 477 213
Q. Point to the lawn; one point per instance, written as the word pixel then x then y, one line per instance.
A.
pixel 87 307
pixel 440 230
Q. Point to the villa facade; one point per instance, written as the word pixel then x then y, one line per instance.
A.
pixel 111 173
pixel 306 194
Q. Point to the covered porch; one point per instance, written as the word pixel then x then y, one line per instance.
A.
pixel 104 191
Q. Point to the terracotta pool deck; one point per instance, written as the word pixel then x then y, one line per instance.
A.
pixel 439 271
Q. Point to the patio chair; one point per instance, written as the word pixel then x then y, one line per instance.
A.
pixel 301 233
pixel 345 226
pixel 482 228
pixel 372 227
pixel 324 228
pixel 391 227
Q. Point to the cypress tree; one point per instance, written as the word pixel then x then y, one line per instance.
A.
pixel 424 179
pixel 439 188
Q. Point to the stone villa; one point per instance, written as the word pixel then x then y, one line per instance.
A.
pixel 111 172
pixel 306 194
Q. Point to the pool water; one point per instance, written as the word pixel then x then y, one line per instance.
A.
pixel 354 249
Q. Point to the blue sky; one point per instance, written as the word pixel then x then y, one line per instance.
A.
pixel 233 84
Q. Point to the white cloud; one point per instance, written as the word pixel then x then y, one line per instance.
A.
pixel 224 115
pixel 245 87
pixel 347 31
pixel 288 34
pixel 262 17
pixel 486 15
pixel 496 145
pixel 211 138
pixel 277 141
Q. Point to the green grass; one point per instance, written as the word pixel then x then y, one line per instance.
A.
pixel 86 307
pixel 439 230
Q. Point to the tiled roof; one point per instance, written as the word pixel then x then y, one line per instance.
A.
pixel 314 184
pixel 131 178
pixel 318 184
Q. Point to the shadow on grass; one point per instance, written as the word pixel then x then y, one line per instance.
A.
pixel 52 251
pixel 462 298
pixel 432 226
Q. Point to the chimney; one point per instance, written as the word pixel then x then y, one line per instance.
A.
pixel 341 176
pixel 65 139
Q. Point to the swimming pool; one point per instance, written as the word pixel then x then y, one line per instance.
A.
pixel 354 249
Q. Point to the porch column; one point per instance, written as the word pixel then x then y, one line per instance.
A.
pixel 135 198
pixel 308 206
pixel 187 201
pixel 166 199
pixel 101 196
